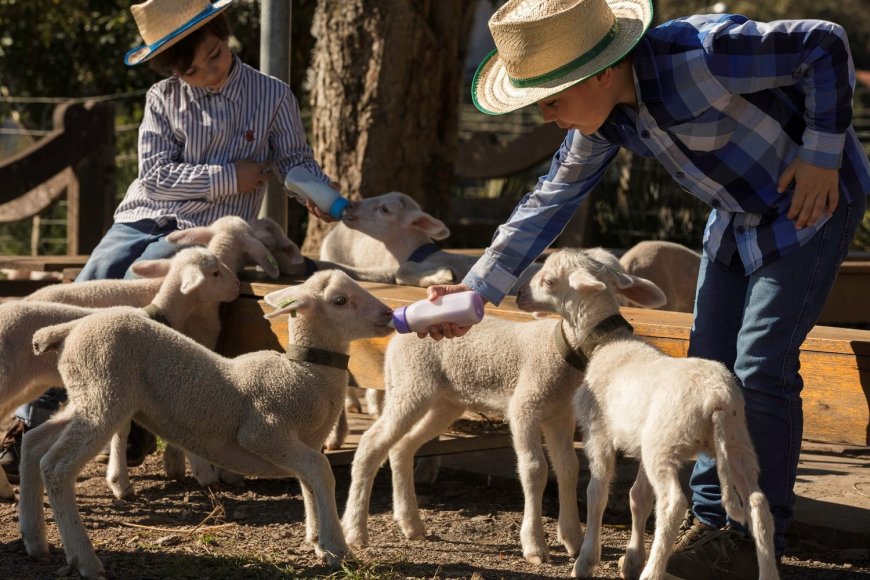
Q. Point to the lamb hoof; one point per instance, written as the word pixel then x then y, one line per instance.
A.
pixel 413 530
pixel 126 494
pixel 573 542
pixel 357 540
pixel 230 478
pixel 536 559
pixel 40 555
pixel 174 463
pixel 582 569
pixel 630 570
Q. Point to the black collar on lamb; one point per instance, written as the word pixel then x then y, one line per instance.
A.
pixel 579 359
pixel 154 314
pixel 317 356
pixel 423 252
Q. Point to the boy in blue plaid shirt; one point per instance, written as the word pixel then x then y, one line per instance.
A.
pixel 754 119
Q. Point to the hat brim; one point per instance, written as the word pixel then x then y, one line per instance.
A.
pixel 493 92
pixel 145 52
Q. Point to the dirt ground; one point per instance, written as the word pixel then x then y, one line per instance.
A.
pixel 472 524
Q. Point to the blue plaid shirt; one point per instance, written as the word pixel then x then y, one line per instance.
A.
pixel 725 104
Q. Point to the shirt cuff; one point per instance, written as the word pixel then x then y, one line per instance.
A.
pixel 822 149
pixel 489 279
pixel 222 181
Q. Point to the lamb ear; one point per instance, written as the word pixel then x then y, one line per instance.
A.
pixel 581 280
pixel 428 224
pixel 200 236
pixel 641 291
pixel 260 255
pixel 151 268
pixel 287 300
pixel 191 279
pixel 291 253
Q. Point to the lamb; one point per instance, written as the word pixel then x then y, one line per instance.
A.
pixel 672 267
pixel 500 366
pixel 292 262
pixel 192 277
pixel 397 234
pixel 235 243
pixel 270 415
pixel 659 409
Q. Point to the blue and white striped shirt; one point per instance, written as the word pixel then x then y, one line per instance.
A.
pixel 191 137
pixel 725 104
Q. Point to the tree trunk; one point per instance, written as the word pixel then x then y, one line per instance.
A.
pixel 386 77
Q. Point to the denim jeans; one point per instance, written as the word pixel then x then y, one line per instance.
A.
pixel 755 325
pixel 122 245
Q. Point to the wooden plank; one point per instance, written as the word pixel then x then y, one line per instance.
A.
pixel 19 288
pixel 835 362
pixel 448 443
pixel 43 263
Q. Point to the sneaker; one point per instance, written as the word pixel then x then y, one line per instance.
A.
pixel 140 444
pixel 724 554
pixel 691 530
pixel 10 450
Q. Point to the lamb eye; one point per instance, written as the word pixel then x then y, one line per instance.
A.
pixel 384 209
pixel 548 282
pixel 340 301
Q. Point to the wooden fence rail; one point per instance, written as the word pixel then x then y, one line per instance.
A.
pixel 76 159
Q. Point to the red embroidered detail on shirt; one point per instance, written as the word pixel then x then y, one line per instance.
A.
pixel 249 135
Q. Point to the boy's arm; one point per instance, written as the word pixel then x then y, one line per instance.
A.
pixel 287 141
pixel 542 214
pixel 813 56
pixel 162 176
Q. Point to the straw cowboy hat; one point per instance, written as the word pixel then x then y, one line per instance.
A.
pixel 545 46
pixel 162 23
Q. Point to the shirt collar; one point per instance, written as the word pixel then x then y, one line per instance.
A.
pixel 646 74
pixel 231 89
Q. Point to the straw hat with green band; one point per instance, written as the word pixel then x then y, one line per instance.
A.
pixel 545 46
pixel 162 23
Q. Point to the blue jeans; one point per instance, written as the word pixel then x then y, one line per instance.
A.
pixel 755 325
pixel 122 245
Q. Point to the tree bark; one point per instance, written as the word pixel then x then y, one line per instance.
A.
pixel 386 77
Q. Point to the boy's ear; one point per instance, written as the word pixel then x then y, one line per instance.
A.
pixel 288 300
pixel 201 236
pixel 426 223
pixel 151 268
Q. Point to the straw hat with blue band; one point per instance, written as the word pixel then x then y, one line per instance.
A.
pixel 545 46
pixel 163 23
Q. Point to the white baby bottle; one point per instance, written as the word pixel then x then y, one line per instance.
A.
pixel 304 184
pixel 460 308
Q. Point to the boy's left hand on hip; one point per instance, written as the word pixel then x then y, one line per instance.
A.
pixel 815 191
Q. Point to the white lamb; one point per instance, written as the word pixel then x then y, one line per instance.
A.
pixel 291 261
pixel 500 366
pixel 672 267
pixel 659 409
pixel 236 244
pixel 192 277
pixel 268 416
pixel 396 234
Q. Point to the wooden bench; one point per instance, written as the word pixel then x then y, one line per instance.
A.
pixel 835 361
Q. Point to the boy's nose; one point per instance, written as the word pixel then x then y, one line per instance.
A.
pixel 547 114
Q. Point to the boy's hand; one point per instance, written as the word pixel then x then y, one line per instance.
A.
pixel 314 210
pixel 445 330
pixel 815 191
pixel 251 174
